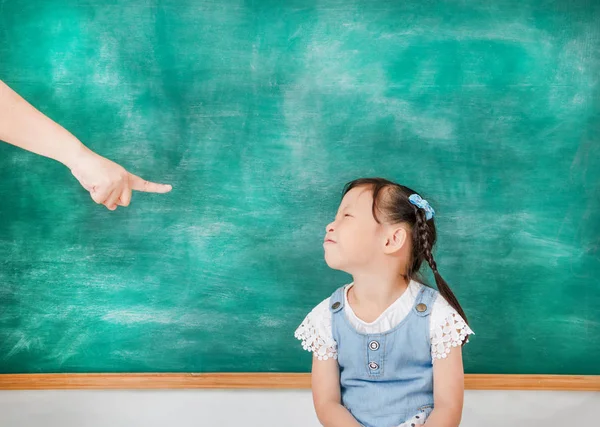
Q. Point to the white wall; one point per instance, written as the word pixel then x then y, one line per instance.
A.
pixel 267 408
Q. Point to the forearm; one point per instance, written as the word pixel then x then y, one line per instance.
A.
pixel 25 127
pixel 336 415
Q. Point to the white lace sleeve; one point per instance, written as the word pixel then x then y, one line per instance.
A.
pixel 315 333
pixel 448 329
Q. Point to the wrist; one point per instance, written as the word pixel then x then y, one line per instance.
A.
pixel 72 153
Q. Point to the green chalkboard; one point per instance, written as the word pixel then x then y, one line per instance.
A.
pixel 258 112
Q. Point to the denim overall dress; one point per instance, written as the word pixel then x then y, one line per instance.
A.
pixel 386 378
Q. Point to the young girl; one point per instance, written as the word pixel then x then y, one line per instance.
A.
pixel 387 349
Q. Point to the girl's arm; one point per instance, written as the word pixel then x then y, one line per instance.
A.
pixel 448 390
pixel 327 396
pixel 25 127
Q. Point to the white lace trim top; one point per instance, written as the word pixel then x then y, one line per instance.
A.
pixel 447 327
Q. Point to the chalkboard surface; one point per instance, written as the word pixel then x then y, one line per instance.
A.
pixel 258 112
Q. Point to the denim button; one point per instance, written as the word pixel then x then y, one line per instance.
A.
pixel 335 305
pixel 421 307
pixel 373 366
pixel 374 345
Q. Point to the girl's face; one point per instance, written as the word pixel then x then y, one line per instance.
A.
pixel 354 240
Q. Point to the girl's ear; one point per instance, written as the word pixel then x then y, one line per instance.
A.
pixel 395 239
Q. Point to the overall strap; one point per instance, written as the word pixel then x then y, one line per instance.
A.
pixel 424 301
pixel 336 302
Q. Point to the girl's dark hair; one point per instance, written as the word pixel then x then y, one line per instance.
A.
pixel 396 207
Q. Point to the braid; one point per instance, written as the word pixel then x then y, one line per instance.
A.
pixel 423 235
pixel 424 251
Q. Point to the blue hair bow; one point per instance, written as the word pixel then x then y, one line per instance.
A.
pixel 419 202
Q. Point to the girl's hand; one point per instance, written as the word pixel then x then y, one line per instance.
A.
pixel 109 184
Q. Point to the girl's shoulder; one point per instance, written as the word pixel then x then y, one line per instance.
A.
pixel 447 328
pixel 321 309
pixel 315 332
pixel 441 307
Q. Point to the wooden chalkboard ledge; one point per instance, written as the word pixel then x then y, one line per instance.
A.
pixel 268 381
